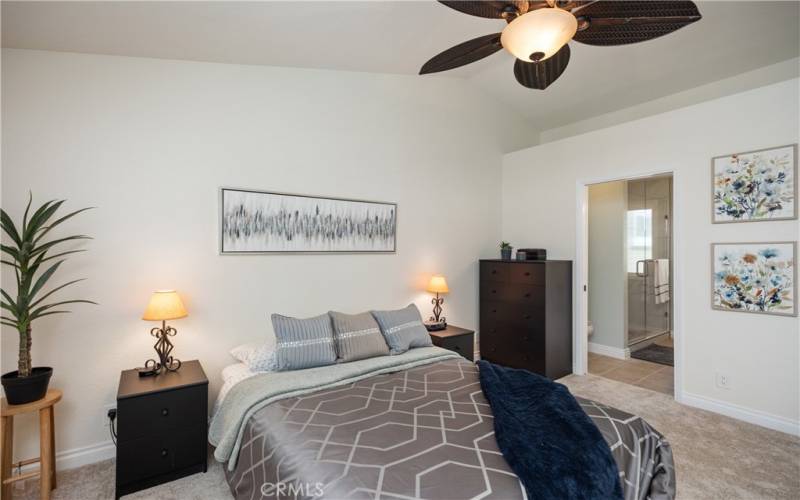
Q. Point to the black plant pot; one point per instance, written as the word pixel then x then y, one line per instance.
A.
pixel 505 253
pixel 21 390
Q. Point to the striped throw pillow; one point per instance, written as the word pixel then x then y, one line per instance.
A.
pixel 357 336
pixel 403 329
pixel 303 343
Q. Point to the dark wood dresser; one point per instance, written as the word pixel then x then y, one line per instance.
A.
pixel 162 425
pixel 526 315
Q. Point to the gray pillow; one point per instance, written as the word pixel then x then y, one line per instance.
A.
pixel 357 336
pixel 403 329
pixel 303 343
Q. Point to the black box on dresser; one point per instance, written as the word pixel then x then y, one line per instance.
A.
pixel 526 315
pixel 162 427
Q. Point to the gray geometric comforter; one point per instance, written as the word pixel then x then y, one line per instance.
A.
pixel 423 432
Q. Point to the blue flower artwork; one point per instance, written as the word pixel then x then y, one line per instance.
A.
pixel 759 185
pixel 755 277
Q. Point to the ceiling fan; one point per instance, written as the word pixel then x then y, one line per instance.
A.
pixel 538 32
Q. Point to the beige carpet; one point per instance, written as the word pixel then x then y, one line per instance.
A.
pixel 716 457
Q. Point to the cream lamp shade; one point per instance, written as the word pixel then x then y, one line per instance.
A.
pixel 164 305
pixel 537 35
pixel 438 284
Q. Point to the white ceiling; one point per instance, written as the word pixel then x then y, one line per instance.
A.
pixel 399 36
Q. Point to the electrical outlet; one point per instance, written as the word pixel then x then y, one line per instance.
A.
pixel 107 407
pixel 723 381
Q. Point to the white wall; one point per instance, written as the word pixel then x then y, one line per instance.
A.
pixel 149 142
pixel 760 77
pixel 608 278
pixel 759 352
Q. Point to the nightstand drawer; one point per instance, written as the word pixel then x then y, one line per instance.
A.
pixel 152 456
pixel 160 413
pixel 462 344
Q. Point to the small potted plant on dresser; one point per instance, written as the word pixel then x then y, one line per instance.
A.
pixel 505 250
pixel 34 265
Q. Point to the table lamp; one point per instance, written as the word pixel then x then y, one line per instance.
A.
pixel 437 285
pixel 163 305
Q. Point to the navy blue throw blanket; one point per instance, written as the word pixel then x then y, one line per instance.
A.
pixel 546 438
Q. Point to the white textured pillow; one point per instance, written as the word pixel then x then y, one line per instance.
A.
pixel 263 359
pixel 243 352
pixel 235 373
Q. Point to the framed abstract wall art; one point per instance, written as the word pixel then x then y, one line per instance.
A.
pixel 269 222
pixel 755 277
pixel 755 186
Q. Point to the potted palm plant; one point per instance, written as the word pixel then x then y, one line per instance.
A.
pixel 34 265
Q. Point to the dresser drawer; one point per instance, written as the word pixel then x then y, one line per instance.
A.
pixel 524 316
pixel 530 274
pixel 162 412
pixel 493 311
pixel 512 345
pixel 527 295
pixel 153 456
pixel 494 271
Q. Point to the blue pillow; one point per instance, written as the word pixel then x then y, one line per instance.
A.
pixel 403 329
pixel 303 343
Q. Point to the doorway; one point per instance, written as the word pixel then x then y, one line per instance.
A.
pixel 626 281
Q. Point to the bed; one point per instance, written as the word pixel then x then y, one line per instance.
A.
pixel 415 425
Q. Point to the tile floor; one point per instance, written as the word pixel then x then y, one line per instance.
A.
pixel 636 372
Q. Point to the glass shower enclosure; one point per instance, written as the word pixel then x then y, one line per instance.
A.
pixel 648 257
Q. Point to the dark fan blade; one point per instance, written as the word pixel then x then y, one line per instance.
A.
pixel 540 75
pixel 463 53
pixel 491 9
pixel 620 22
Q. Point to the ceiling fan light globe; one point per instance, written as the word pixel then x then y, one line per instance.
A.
pixel 537 35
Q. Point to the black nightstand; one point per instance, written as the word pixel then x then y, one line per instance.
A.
pixel 162 426
pixel 456 339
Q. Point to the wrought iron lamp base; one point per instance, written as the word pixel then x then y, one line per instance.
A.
pixel 163 348
pixel 437 309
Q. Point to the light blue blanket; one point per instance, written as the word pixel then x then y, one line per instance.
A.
pixel 254 393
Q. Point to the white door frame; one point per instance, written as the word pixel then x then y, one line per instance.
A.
pixel 580 299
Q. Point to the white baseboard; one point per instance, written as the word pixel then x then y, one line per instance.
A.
pixel 77 457
pixel 613 352
pixel 756 417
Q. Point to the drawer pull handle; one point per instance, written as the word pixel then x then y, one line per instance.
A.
pixel 164 412
pixel 527 295
pixel 494 271
pixel 525 338
pixel 527 316
pixel 164 452
pixel 494 291
pixel 494 310
pixel 527 273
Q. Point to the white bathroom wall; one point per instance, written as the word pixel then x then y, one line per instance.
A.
pixel 149 142
pixel 760 353
pixel 608 203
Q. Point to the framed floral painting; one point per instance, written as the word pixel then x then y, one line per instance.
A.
pixel 755 186
pixel 755 277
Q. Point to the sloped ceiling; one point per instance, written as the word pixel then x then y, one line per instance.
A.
pixel 399 36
